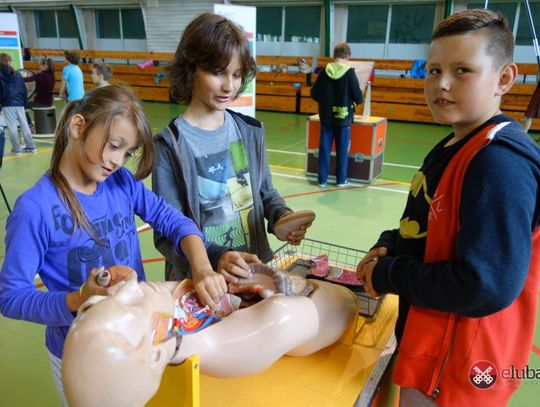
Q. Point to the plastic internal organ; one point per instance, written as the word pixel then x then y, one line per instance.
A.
pixel 113 275
pixel 189 314
pixel 266 281
pixel 319 267
pixel 343 276
pixel 293 221
pixel 162 327
pixel 252 289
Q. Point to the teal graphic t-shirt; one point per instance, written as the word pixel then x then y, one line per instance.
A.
pixel 224 184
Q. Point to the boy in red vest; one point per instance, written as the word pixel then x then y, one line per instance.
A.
pixel 465 260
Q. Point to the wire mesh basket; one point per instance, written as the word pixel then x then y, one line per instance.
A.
pixel 292 258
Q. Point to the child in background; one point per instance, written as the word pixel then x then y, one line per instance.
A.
pixel 13 100
pixel 466 256
pixel 336 90
pixel 101 73
pixel 212 162
pixel 44 80
pixel 80 218
pixel 72 87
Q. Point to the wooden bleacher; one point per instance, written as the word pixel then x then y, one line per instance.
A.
pixel 402 98
pixel 150 83
pixel 396 97
pixel 277 90
pixel 100 55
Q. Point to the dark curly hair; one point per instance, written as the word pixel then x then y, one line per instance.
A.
pixel 208 43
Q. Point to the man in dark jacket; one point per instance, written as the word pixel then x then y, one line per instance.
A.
pixel 335 89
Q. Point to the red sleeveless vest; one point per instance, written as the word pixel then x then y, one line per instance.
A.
pixel 440 352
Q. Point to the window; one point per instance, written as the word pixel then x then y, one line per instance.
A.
pixel 56 24
pixel 46 24
pixel 367 24
pixel 269 23
pixel 120 24
pixel 302 23
pixel 133 24
pixel 67 25
pixel 409 23
pixel 108 24
pixel 412 24
pixel 524 33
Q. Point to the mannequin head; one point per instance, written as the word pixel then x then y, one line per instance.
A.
pixel 111 341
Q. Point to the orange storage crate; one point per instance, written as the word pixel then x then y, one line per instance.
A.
pixel 368 139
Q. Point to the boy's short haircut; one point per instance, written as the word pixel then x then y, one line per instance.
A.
pixel 500 40
pixel 103 69
pixel 73 56
pixel 342 51
pixel 208 43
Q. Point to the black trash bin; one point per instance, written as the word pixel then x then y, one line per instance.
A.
pixel 45 118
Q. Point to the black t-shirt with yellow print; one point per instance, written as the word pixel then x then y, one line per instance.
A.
pixel 410 238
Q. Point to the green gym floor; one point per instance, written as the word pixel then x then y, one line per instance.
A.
pixel 351 217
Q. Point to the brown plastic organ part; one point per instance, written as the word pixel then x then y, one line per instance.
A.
pixel 113 275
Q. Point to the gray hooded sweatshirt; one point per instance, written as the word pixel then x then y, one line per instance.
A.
pixel 174 177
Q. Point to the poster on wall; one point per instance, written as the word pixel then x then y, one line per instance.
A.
pixel 9 39
pixel 246 18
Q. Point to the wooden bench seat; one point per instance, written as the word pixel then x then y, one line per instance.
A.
pixel 279 60
pixel 98 55
pixel 394 97
pixel 280 91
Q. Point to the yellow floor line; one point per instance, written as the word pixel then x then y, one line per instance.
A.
pixel 283 167
pixel 40 151
pixel 391 180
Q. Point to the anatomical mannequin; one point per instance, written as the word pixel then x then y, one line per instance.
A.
pixel 118 346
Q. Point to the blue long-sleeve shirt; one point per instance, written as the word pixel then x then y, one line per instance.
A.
pixel 40 239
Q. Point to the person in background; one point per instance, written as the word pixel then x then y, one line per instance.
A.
pixel 101 73
pixel 72 87
pixel 212 161
pixel 465 260
pixel 79 218
pixel 336 89
pixel 13 100
pixel 45 81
